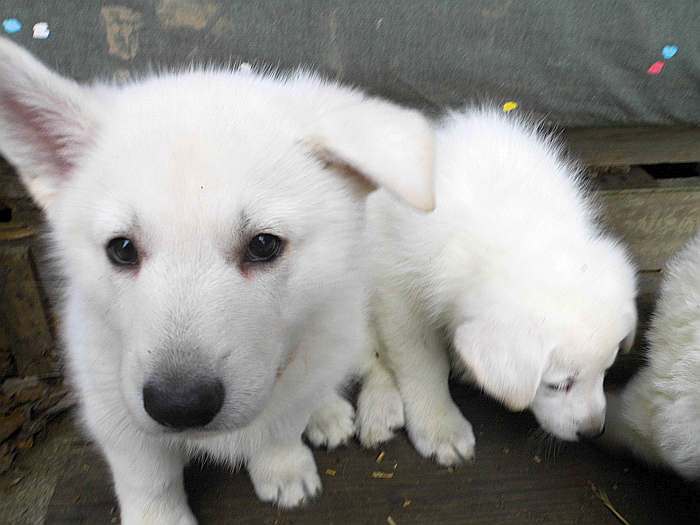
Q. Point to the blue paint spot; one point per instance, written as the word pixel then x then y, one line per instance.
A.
pixel 11 25
pixel 669 51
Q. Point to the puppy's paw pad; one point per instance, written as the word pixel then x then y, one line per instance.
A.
pixel 379 415
pixel 285 477
pixel 449 439
pixel 332 425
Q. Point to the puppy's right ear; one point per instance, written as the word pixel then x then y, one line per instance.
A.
pixel 47 122
pixel 379 144
pixel 506 359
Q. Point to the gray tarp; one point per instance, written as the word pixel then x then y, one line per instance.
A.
pixel 579 62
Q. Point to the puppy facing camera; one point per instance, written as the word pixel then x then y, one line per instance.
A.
pixel 213 260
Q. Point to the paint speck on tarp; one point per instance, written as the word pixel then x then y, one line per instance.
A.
pixel 669 51
pixel 41 31
pixel 656 67
pixel 11 25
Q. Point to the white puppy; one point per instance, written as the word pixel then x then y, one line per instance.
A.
pixel 657 415
pixel 510 270
pixel 209 226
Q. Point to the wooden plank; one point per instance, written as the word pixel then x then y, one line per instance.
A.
pixel 653 222
pixel 22 312
pixel 516 479
pixel 593 146
pixel 628 146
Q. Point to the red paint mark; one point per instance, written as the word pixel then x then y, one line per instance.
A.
pixel 656 67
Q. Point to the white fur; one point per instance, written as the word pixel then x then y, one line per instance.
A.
pixel 191 166
pixel 510 270
pixel 657 415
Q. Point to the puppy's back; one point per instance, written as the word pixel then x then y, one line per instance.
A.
pixel 501 182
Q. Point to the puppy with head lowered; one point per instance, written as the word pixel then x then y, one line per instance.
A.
pixel 209 227
pixel 512 272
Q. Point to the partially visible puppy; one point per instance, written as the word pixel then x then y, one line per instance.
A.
pixel 209 225
pixel 510 270
pixel 657 415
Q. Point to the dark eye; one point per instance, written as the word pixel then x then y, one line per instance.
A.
pixel 122 252
pixel 263 247
pixel 561 387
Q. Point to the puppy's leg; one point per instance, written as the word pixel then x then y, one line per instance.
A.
pixel 281 467
pixel 379 405
pixel 657 427
pixel 148 480
pixel 421 365
pixel 333 424
pixel 284 473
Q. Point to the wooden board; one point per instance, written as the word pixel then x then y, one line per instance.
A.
pixel 514 480
pixel 654 222
pixel 628 146
pixel 22 311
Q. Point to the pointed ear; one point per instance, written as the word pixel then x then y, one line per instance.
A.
pixel 507 360
pixel 628 342
pixel 46 121
pixel 382 144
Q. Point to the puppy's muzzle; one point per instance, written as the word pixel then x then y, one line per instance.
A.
pixel 183 402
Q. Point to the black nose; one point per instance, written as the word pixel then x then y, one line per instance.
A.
pixel 590 434
pixel 183 403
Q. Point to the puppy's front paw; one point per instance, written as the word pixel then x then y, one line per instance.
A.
pixel 446 436
pixel 379 413
pixel 331 425
pixel 285 476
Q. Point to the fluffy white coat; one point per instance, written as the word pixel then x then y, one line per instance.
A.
pixel 190 166
pixel 512 271
pixel 657 415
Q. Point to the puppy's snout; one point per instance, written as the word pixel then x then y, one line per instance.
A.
pixel 591 432
pixel 182 403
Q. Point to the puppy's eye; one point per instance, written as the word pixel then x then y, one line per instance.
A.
pixel 122 252
pixel 561 387
pixel 264 247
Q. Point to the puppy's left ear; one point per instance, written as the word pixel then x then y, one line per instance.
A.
pixel 381 145
pixel 506 359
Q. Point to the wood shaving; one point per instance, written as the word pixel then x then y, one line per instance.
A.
pixel 331 472
pixel 603 497
pixel 380 457
pixel 377 474
pixel 390 520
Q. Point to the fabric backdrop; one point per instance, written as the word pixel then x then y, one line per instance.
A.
pixel 576 62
